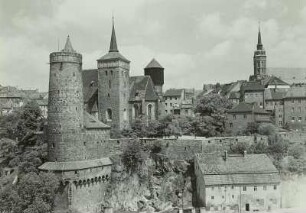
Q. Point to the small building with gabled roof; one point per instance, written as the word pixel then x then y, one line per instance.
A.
pixel 241 182
pixel 244 113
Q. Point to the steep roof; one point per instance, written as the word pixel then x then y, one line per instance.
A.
pixel 247 108
pixel 113 52
pixel 237 169
pixel 91 122
pixel 68 46
pixel 153 64
pixel 90 83
pixel 173 92
pixel 296 92
pixel 143 86
pixel 253 86
pixel 273 80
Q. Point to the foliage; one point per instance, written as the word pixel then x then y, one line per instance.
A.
pixel 133 156
pixel 34 193
pixel 213 104
pixel 296 151
pixel 7 149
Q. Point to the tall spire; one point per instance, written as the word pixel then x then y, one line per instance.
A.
pixel 68 47
pixel 113 43
pixel 259 44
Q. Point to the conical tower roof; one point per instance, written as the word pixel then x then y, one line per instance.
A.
pixel 153 64
pixel 68 46
pixel 113 43
pixel 259 43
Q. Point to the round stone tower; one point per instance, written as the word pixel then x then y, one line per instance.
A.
pixel 65 107
pixel 156 71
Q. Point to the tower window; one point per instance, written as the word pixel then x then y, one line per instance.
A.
pixel 108 95
pixel 124 114
pixel 111 72
pixel 109 114
pixel 73 74
pixel 106 72
pixel 109 84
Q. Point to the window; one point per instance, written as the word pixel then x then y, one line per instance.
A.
pixel 150 112
pixel 73 74
pixel 300 109
pixel 255 188
pixel 109 114
pixel 275 187
pixel 111 72
pixel 234 116
pixel 109 84
pixel 245 116
pixel 244 188
pixel 233 196
pixel 231 124
pixel 292 101
pixel 264 188
pixel 108 95
pixel 293 119
pixel 300 119
pixel 212 197
pixel 124 114
pixel 299 101
pixel 166 104
pixel 166 111
pixel 170 104
pixel 106 72
pixel 233 187
pixel 212 188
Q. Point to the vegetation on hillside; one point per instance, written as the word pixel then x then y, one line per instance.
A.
pixel 23 150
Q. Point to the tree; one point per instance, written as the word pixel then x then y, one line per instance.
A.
pixel 133 156
pixel 296 151
pixel 213 104
pixel 34 193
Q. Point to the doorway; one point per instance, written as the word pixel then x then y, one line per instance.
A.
pixel 247 207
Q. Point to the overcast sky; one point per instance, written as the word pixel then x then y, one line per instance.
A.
pixel 196 41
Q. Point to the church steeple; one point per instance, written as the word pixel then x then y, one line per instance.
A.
pixel 259 44
pixel 113 43
pixel 68 46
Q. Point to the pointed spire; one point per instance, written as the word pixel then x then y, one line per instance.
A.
pixel 68 47
pixel 259 44
pixel 113 44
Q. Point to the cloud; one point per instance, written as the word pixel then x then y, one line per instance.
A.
pixel 198 42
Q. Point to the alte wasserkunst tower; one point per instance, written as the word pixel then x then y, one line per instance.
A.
pixel 259 60
pixel 75 138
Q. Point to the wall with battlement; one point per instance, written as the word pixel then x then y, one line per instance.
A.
pixel 83 190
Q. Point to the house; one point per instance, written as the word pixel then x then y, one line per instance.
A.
pixel 179 102
pixel 244 113
pixel 241 183
pixel 274 104
pixel 253 92
pixel 295 106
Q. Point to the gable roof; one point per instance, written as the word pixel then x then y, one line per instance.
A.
pixel 253 86
pixel 296 92
pixel 153 64
pixel 272 95
pixel 237 169
pixel 290 75
pixel 142 85
pixel 272 80
pixel 247 108
pixel 173 92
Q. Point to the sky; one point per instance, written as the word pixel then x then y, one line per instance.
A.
pixel 196 41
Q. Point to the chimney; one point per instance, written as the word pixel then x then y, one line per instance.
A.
pixel 244 153
pixel 225 155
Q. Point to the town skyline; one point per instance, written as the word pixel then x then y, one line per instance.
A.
pixel 208 41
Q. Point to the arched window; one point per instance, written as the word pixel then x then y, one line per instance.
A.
pixel 135 111
pixel 109 114
pixel 109 84
pixel 149 112
pixel 124 115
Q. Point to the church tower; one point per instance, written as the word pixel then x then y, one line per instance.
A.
pixel 156 72
pixel 113 86
pixel 260 60
pixel 65 107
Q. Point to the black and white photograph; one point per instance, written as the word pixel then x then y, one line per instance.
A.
pixel 152 106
